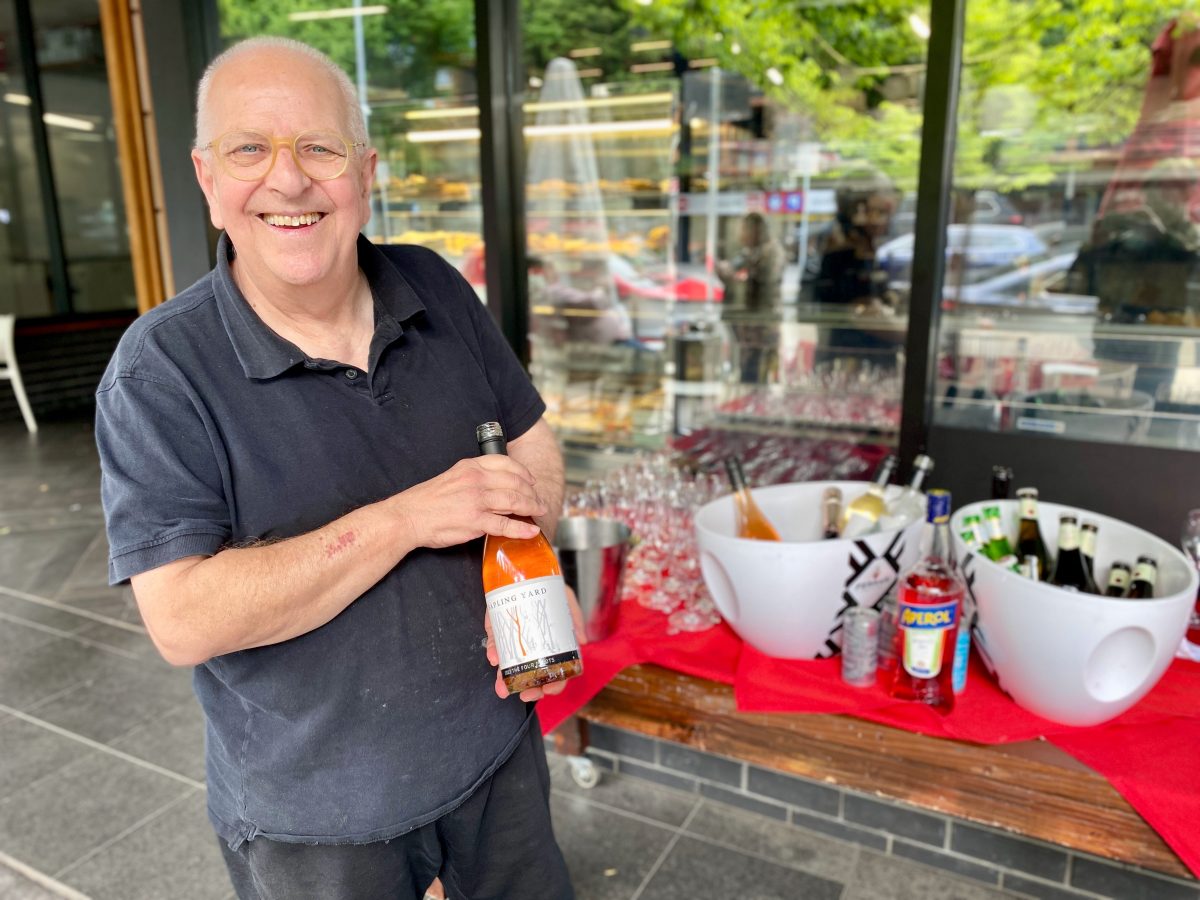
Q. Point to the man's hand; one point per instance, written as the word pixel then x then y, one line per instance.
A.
pixel 555 687
pixel 474 497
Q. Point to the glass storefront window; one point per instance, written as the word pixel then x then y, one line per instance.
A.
pixel 1073 293
pixel 24 249
pixel 83 156
pixel 69 53
pixel 707 194
pixel 414 66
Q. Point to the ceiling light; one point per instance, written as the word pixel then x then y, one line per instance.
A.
pixel 735 48
pixel 642 46
pixel 775 75
pixel 342 13
pixel 919 26
pixel 68 122
pixel 535 82
pixel 640 68
pixel 17 99
pixel 581 52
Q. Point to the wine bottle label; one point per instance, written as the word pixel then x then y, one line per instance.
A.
pixel 1118 578
pixel 1068 536
pixel 1145 572
pixel 926 629
pixel 1028 507
pixel 531 622
pixel 1087 542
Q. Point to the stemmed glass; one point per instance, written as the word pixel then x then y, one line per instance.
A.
pixel 1190 539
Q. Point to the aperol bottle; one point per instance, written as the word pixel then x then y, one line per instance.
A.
pixel 526 600
pixel 929 605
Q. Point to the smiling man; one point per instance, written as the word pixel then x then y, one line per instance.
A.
pixel 291 484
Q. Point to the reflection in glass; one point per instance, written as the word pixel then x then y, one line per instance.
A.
pixel 413 64
pixel 1073 281
pixel 738 177
pixel 83 156
pixel 24 252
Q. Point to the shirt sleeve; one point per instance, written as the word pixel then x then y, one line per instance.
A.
pixel 161 483
pixel 521 405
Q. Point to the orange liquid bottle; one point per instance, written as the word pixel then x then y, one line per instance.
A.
pixel 751 522
pixel 527 601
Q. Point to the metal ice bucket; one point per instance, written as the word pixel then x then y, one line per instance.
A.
pixel 592 555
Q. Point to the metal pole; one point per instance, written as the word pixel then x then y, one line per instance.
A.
pixel 940 115
pixel 502 166
pixel 714 171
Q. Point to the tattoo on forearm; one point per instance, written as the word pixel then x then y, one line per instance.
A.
pixel 343 540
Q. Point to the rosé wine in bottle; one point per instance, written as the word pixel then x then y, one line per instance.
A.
pixel 526 601
pixel 929 605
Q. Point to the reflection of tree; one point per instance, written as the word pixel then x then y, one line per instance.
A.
pixel 406 48
pixel 1039 76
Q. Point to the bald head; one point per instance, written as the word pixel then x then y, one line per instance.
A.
pixel 242 59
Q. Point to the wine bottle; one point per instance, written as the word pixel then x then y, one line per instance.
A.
pixel 862 514
pixel 1070 572
pixel 909 504
pixel 929 610
pixel 1002 477
pixel 1029 535
pixel 1145 576
pixel 526 600
pixel 1087 546
pixel 750 521
pixel 831 513
pixel 1118 579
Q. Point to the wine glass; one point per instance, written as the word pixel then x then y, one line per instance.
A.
pixel 1190 539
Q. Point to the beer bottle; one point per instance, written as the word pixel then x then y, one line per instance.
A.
pixel 861 515
pixel 1070 572
pixel 1145 575
pixel 751 522
pixel 1029 535
pixel 1118 580
pixel 997 548
pixel 1087 546
pixel 972 534
pixel 1002 477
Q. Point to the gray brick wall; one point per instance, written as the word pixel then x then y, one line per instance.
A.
pixel 990 856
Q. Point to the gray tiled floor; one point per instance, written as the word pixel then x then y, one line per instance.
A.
pixel 101 769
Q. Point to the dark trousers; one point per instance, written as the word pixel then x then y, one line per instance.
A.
pixel 497 846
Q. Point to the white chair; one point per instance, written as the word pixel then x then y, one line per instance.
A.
pixel 9 370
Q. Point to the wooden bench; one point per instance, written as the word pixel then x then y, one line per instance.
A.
pixel 1030 788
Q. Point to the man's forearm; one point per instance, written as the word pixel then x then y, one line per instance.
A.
pixel 246 597
pixel 537 450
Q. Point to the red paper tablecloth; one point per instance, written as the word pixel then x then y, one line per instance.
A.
pixel 1148 754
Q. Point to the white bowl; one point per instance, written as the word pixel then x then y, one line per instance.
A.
pixel 786 598
pixel 1077 659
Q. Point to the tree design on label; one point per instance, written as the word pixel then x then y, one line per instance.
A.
pixel 542 621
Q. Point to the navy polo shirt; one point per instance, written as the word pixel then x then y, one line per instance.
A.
pixel 215 431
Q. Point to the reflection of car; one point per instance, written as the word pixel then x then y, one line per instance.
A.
pixel 991 208
pixel 656 297
pixel 978 247
pixel 1038 285
pixel 689 282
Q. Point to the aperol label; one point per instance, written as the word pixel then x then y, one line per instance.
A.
pixel 925 633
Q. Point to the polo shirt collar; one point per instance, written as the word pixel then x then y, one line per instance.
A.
pixel 264 354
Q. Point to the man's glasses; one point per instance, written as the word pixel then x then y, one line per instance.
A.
pixel 250 155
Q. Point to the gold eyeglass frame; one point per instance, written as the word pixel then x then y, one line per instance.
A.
pixel 276 143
